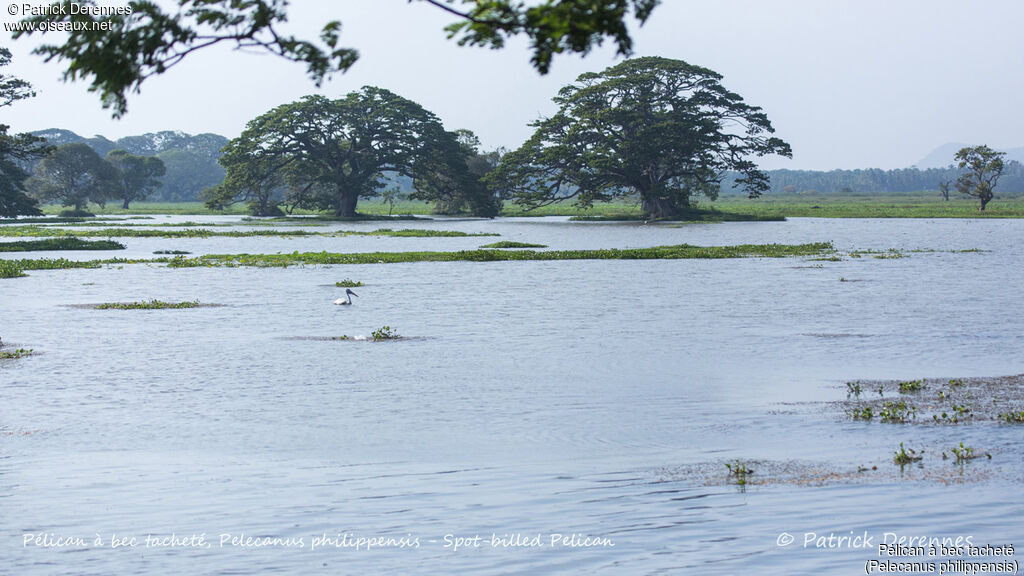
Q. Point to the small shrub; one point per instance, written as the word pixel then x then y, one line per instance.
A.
pixel 72 213
pixel 348 283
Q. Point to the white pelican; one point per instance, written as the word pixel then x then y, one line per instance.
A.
pixel 347 300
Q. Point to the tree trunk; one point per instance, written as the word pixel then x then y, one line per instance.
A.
pixel 347 205
pixel 657 207
pixel 124 205
pixel 984 201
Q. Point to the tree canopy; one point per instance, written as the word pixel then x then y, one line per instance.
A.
pixel 118 49
pixel 330 153
pixel 451 173
pixel 980 169
pixel 139 175
pixel 16 151
pixel 75 175
pixel 658 128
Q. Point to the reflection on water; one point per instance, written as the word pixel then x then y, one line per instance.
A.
pixel 537 398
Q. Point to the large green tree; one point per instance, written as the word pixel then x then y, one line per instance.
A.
pixel 140 175
pixel 119 49
pixel 251 178
pixel 16 150
pixel 980 169
pixel 74 174
pixel 660 129
pixel 451 176
pixel 330 153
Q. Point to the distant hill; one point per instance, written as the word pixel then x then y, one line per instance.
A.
pixel 191 161
pixel 943 155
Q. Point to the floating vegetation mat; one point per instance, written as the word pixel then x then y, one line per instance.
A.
pixel 935 401
pixel 68 243
pixel 681 251
pixel 145 305
pixel 15 353
pixel 743 474
pixel 511 244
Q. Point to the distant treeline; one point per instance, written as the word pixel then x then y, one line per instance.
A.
pixel 876 181
pixel 192 166
pixel 191 161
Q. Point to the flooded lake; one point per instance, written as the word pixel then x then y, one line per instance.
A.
pixel 541 417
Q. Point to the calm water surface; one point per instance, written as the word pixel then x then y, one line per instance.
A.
pixel 532 398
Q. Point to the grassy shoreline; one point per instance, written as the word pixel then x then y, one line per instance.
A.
pixel 909 205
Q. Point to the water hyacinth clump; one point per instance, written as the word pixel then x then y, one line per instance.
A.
pixel 15 354
pixel 513 244
pixel 680 251
pixel 897 412
pixel 911 386
pixel 69 243
pixel 384 333
pixel 9 269
pixel 905 456
pixel 348 283
pixel 739 471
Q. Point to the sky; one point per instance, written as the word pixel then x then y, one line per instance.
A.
pixel 849 84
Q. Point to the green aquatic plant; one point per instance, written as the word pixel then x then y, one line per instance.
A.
pixel 866 413
pixel 853 389
pixel 905 456
pixel 172 252
pixel 911 386
pixel 1012 417
pixel 897 412
pixel 963 454
pixel 681 251
pixel 957 413
pixel 348 283
pixel 512 244
pixel 417 233
pixel 739 471
pixel 68 243
pixel 16 353
pixel 146 305
pixel 10 269
pixel 384 333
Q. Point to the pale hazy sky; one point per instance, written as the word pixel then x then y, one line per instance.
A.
pixel 850 84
